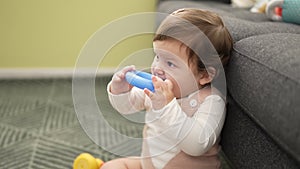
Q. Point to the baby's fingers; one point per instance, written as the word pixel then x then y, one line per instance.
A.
pixel 127 69
pixel 120 75
pixel 157 82
pixel 168 84
pixel 148 93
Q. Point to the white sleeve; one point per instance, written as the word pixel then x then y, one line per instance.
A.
pixel 127 103
pixel 197 134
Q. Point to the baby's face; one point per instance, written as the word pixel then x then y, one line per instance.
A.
pixel 171 62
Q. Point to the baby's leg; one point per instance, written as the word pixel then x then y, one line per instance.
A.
pixel 123 163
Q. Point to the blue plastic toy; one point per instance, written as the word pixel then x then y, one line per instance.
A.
pixel 140 80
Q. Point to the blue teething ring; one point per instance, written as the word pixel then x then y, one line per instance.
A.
pixel 140 80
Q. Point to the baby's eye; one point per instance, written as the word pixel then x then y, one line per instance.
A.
pixel 170 64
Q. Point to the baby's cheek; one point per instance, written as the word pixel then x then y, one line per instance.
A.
pixel 176 88
pixel 184 85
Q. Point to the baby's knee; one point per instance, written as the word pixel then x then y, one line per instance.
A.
pixel 107 165
pixel 123 163
pixel 113 164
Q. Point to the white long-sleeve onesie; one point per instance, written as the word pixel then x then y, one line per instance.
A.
pixel 184 126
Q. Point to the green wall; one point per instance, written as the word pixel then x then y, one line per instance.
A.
pixel 51 33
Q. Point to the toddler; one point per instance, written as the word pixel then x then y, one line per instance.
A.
pixel 185 114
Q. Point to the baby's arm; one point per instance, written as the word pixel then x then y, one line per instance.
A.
pixel 195 135
pixel 200 132
pixel 122 96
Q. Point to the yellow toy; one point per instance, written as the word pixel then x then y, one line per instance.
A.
pixel 87 161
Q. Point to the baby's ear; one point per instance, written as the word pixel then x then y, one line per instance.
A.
pixel 207 76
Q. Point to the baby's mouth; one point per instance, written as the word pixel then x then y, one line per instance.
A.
pixel 161 76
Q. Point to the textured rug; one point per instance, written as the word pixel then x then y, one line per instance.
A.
pixel 39 127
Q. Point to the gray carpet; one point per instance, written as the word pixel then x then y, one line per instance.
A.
pixel 39 127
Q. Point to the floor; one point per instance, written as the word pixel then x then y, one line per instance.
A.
pixel 39 127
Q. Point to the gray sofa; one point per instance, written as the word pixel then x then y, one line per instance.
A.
pixel 262 127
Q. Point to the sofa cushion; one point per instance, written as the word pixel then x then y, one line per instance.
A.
pixel 263 78
pixel 241 29
pixel 220 8
pixel 240 22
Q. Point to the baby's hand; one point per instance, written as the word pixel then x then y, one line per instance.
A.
pixel 163 93
pixel 119 84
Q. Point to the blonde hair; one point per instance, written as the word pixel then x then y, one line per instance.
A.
pixel 211 26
